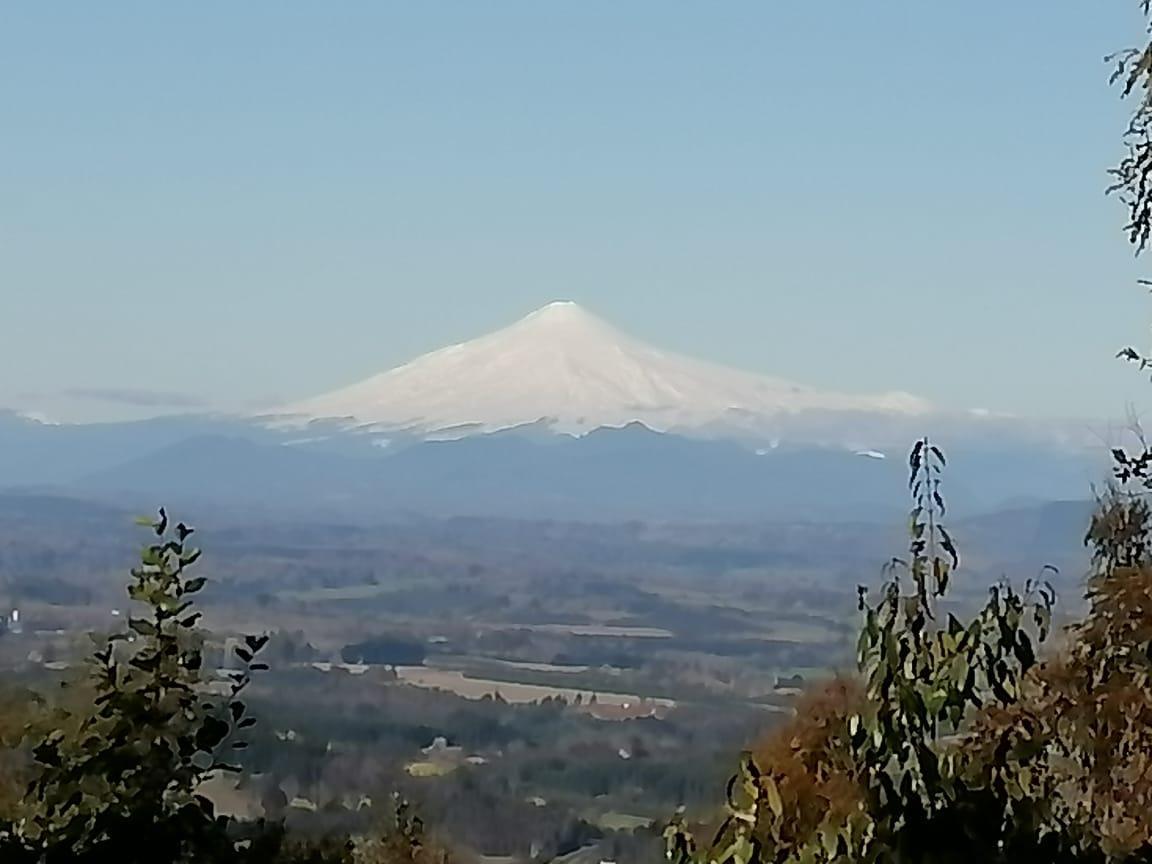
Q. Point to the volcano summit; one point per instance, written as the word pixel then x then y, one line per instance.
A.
pixel 564 368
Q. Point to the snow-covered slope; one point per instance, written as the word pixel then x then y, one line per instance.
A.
pixel 565 368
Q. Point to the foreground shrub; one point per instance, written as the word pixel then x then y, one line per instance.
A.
pixel 114 773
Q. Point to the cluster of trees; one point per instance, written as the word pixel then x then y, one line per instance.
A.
pixel 119 765
pixel 116 770
pixel 960 741
pixel 385 650
pixel 353 737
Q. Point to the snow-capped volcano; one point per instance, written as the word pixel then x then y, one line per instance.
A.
pixel 564 367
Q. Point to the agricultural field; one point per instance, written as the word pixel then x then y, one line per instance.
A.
pixel 479 688
pixel 623 632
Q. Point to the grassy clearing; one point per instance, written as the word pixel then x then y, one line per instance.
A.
pixel 615 821
pixel 620 632
pixel 477 688
pixel 344 592
pixel 802 632
pixel 541 667
pixel 429 769
pixel 495 667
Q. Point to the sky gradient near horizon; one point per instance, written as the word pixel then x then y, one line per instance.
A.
pixel 227 205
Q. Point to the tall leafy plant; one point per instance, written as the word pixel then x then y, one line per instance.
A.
pixel 891 749
pixel 124 784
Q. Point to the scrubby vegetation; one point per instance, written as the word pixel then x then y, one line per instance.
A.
pixel 958 740
pixel 117 771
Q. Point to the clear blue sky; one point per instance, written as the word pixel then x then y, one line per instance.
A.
pixel 245 201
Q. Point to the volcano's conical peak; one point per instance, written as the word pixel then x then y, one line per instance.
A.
pixel 565 364
pixel 560 312
pixel 564 318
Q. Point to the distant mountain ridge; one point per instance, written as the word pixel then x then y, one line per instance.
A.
pixel 609 474
pixel 558 416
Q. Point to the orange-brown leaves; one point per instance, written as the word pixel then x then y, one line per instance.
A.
pixel 809 761
pixel 1079 742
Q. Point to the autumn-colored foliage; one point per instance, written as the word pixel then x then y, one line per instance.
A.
pixel 963 741
pixel 958 740
pixel 809 763
pixel 1080 737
